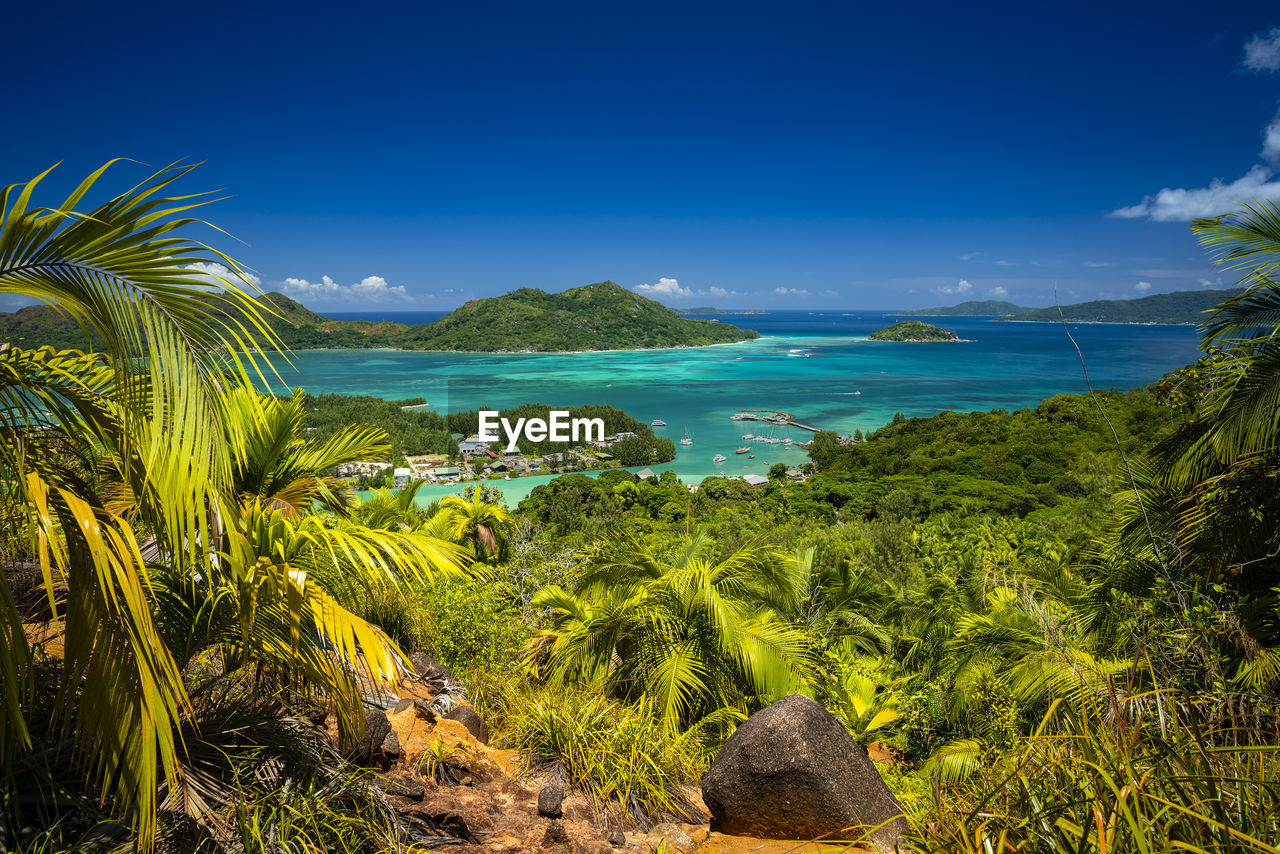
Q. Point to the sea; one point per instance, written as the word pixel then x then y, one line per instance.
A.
pixel 819 366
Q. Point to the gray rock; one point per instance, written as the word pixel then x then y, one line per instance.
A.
pixel 617 838
pixel 433 672
pixel 791 771
pixel 367 749
pixel 400 788
pixel 475 724
pixel 551 800
pixel 391 746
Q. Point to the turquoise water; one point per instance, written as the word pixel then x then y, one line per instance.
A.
pixel 810 364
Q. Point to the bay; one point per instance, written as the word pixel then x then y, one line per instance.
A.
pixel 818 366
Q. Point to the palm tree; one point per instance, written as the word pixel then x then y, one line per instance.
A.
pixel 149 405
pixel 274 462
pixel 480 523
pixel 692 635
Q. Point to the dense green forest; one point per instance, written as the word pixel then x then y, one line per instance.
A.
pixel 603 316
pixel 1182 307
pixel 1056 629
pixel 1187 307
pixel 914 331
pixel 972 308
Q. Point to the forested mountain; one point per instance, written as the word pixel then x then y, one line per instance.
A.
pixel 603 316
pixel 1178 307
pixel 972 308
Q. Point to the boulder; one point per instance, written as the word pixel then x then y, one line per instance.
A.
pixel 475 724
pixel 791 771
pixel 433 672
pixel 400 787
pixel 550 800
pixel 368 747
pixel 391 745
pixel 617 838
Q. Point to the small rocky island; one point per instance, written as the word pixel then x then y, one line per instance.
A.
pixel 915 332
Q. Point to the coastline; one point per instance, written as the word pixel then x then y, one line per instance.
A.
pixel 525 352
pixel 1099 322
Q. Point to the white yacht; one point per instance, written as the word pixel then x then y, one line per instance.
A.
pixel 719 458
pixel 657 422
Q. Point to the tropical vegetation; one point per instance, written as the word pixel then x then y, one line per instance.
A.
pixel 603 316
pixel 1056 627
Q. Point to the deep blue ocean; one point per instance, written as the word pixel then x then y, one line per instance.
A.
pixel 817 365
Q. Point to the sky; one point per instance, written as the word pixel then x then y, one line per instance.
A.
pixel 797 155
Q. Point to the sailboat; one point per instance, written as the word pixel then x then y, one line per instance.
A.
pixel 687 440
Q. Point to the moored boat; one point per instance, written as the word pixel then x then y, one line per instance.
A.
pixel 719 458
pixel 742 450
pixel 657 422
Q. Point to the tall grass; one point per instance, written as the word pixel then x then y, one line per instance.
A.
pixel 1161 781
pixel 631 767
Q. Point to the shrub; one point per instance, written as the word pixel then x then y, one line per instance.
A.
pixel 631 768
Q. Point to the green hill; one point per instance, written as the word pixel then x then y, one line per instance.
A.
pixel 972 308
pixel 1180 307
pixel 914 331
pixel 603 316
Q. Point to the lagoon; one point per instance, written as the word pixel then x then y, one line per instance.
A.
pixel 819 366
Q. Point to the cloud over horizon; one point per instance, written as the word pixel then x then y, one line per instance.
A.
pixel 369 289
pixel 664 288
pixel 960 287
pixel 215 274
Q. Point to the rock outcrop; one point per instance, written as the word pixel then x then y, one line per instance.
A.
pixel 791 771
pixel 470 719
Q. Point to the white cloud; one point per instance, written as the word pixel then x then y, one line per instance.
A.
pixel 1142 286
pixel 1262 53
pixel 1097 263
pixel 368 289
pixel 1176 205
pixel 960 287
pixel 969 256
pixel 1271 140
pixel 664 288
pixel 997 292
pixel 795 292
pixel 1005 262
pixel 215 274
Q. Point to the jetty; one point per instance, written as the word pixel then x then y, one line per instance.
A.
pixel 771 416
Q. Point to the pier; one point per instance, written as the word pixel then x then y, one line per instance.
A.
pixel 786 419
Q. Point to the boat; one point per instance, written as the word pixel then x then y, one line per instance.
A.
pixel 657 422
pixel 742 451
pixel 751 456
pixel 687 440
pixel 719 458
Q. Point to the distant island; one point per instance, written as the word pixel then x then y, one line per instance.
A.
pixel 601 316
pixel 1180 307
pixel 972 308
pixel 706 309
pixel 913 331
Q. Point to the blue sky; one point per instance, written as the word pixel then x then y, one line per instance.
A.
pixel 798 155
